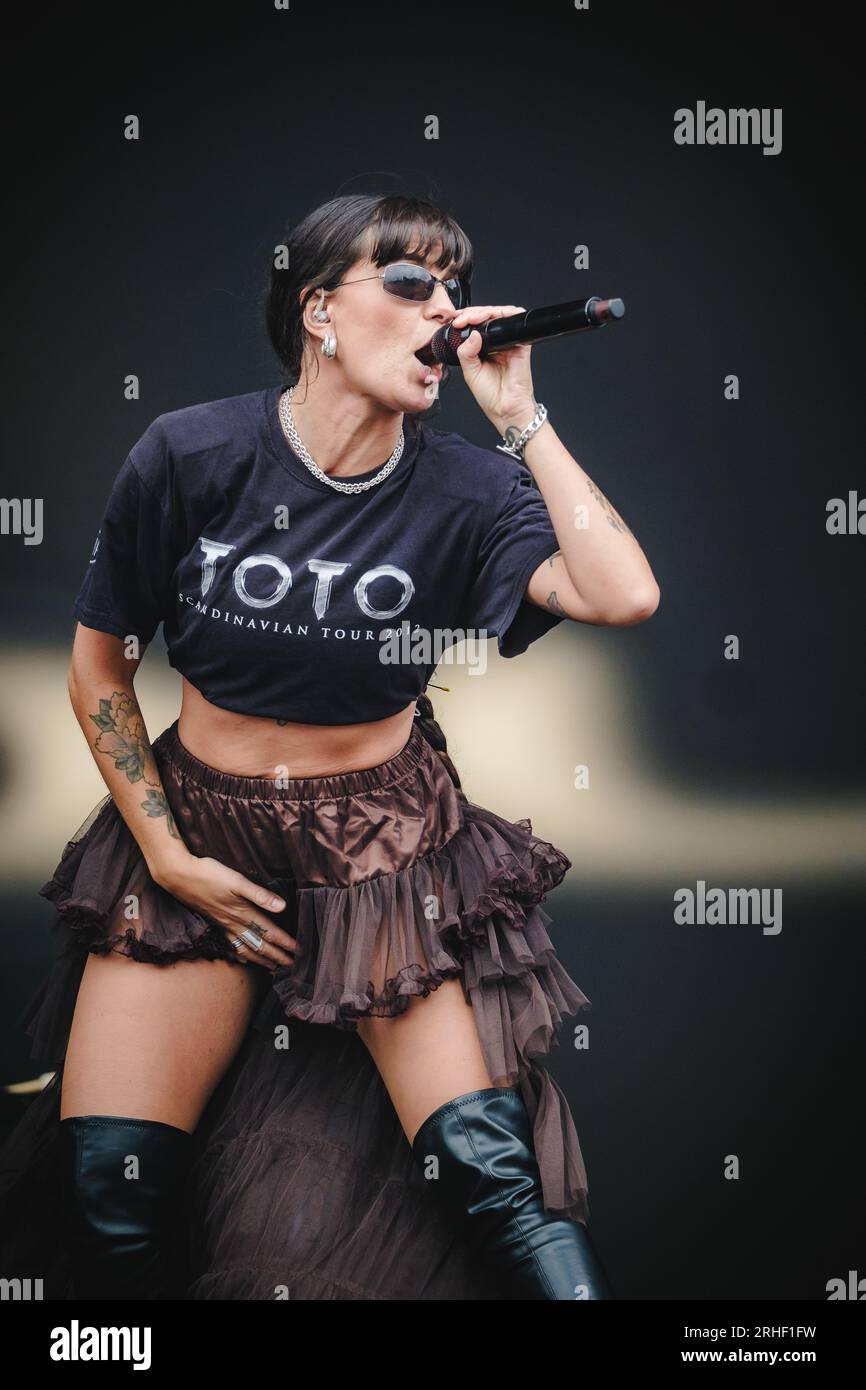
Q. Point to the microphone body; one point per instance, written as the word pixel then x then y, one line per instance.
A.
pixel 530 326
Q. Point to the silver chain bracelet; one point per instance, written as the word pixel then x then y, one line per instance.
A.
pixel 516 443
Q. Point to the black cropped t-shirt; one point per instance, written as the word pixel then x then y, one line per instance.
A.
pixel 275 591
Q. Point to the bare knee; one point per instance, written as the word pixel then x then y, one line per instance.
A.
pixel 152 1041
pixel 427 1055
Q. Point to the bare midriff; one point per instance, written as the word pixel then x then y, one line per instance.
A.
pixel 248 745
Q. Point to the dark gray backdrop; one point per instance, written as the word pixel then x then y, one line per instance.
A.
pixel 556 128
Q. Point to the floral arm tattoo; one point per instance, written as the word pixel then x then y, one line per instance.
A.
pixel 123 737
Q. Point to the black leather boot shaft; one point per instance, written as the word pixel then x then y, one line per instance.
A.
pixel 489 1179
pixel 124 1232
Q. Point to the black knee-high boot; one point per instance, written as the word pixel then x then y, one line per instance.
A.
pixel 489 1179
pixel 123 1233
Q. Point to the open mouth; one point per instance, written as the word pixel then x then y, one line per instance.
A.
pixel 423 352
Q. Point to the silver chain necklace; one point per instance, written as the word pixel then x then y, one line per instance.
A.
pixel 288 424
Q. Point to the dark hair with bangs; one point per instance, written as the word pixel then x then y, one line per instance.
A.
pixel 333 236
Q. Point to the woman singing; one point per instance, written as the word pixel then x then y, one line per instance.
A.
pixel 304 982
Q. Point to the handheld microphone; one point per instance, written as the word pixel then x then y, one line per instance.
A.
pixel 530 326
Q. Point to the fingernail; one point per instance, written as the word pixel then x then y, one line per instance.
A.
pixel 278 903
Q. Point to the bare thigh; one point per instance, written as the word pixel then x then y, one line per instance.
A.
pixel 429 1054
pixel 153 1041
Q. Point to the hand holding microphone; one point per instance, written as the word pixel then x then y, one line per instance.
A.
pixel 491 344
pixel 501 383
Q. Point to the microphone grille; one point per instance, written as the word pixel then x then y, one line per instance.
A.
pixel 445 341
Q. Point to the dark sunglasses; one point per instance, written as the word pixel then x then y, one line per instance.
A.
pixel 417 283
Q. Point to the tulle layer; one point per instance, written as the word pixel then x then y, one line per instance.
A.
pixel 469 907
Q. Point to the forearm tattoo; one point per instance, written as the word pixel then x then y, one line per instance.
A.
pixel 613 516
pixel 123 737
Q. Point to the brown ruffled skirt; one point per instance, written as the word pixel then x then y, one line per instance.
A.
pixel 303 1180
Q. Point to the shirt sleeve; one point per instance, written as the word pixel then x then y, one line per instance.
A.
pixel 127 587
pixel 520 538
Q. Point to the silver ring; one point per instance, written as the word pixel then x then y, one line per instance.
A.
pixel 237 943
pixel 252 939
